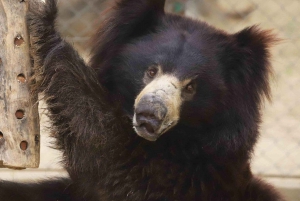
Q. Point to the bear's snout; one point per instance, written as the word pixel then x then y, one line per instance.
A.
pixel 149 115
pixel 157 107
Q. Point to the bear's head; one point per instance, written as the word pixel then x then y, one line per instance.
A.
pixel 166 70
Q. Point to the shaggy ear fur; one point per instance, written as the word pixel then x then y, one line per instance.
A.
pixel 250 66
pixel 127 19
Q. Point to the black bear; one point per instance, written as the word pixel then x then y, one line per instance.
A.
pixel 167 109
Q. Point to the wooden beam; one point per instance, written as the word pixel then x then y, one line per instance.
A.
pixel 19 120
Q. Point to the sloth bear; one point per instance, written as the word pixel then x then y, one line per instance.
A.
pixel 167 109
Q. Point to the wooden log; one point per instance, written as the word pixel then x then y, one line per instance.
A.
pixel 19 120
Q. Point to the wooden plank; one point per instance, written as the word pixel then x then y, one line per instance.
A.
pixel 19 120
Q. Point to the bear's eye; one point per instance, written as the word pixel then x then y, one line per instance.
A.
pixel 152 71
pixel 190 88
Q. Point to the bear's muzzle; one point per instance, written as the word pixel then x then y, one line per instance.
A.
pixel 157 107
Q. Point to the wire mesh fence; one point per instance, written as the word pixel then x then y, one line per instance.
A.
pixel 278 151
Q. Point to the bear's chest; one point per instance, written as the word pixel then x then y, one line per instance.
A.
pixel 162 180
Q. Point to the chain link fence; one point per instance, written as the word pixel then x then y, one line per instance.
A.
pixel 278 152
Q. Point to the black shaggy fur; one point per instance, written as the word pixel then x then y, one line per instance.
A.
pixel 205 157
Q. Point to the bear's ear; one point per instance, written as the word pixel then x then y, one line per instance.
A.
pixel 250 65
pixel 127 19
pixel 255 40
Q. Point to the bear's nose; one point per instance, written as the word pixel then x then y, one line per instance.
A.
pixel 149 114
pixel 148 122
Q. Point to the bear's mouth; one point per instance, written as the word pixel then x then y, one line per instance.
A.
pixel 146 125
pixel 146 131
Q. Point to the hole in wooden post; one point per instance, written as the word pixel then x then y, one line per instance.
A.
pixel 21 78
pixel 0 61
pixel 20 114
pixel 18 41
pixel 24 145
pixel 1 135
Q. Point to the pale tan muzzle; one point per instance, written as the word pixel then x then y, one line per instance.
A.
pixel 157 107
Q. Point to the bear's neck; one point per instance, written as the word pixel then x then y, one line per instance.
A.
pixel 217 153
pixel 152 165
pixel 189 145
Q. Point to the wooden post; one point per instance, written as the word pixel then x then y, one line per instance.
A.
pixel 19 120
